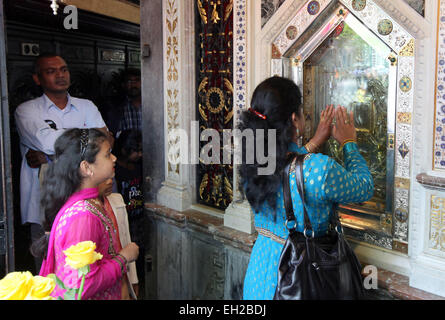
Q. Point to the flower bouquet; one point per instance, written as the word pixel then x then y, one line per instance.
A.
pixel 25 286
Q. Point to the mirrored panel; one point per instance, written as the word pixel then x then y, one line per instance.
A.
pixel 344 63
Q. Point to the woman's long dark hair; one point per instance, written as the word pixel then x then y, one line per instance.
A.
pixel 63 177
pixel 276 98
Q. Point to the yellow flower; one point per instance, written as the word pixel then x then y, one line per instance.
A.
pixel 16 285
pixel 82 254
pixel 41 288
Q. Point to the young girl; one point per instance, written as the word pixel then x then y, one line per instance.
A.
pixel 73 213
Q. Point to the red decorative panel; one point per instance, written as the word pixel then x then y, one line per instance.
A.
pixel 214 54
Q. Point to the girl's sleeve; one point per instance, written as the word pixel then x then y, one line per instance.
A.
pixel 351 184
pixel 103 273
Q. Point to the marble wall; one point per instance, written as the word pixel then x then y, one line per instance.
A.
pixel 152 97
pixel 194 257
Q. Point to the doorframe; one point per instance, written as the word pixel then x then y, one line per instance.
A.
pixel 6 196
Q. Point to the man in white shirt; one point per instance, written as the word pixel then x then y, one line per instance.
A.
pixel 39 123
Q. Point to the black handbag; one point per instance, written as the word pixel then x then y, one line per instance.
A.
pixel 322 268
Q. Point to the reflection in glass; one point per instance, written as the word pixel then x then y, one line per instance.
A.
pixel 348 70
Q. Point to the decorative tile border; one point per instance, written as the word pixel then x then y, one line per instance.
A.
pixel 240 94
pixel 302 20
pixel 171 81
pixel 437 225
pixel 404 141
pixel 375 18
pixel 439 126
pixel 240 55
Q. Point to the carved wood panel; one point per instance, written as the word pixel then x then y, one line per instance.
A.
pixel 214 48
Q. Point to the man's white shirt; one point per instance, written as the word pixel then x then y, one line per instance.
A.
pixel 39 123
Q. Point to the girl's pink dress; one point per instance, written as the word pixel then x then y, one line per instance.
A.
pixel 83 218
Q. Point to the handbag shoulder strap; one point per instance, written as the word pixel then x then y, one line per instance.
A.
pixel 298 161
pixel 290 216
pixel 286 194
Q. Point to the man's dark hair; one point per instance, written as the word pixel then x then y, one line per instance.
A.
pixel 131 72
pixel 43 55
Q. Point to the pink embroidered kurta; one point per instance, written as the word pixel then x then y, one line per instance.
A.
pixel 83 218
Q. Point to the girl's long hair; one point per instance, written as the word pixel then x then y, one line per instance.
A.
pixel 276 98
pixel 63 177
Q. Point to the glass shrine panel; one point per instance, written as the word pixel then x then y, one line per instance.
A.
pixel 350 66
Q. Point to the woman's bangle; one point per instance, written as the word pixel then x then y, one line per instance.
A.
pixel 310 147
pixel 123 258
pixel 123 262
pixel 345 142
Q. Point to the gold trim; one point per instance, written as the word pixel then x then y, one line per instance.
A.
pixel 228 117
pixel 203 83
pixel 106 222
pixel 202 113
pixel 229 189
pixel 229 8
pixel 215 16
pixel 276 54
pixel 228 85
pixel 270 235
pixel 391 141
pixel 221 105
pixel 404 117
pixel 392 59
pixel 402 183
pixel 171 75
pixel 400 246
pixel 408 50
pixel 435 85
pixel 202 186
pixel 202 12
pixel 386 222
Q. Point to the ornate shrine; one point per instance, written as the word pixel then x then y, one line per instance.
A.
pixel 354 54
pixel 372 56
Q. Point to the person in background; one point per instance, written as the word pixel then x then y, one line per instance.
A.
pixel 39 123
pixel 127 114
pixel 114 206
pixel 74 214
pixel 128 150
pixel 276 104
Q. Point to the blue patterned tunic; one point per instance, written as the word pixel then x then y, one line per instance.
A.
pixel 325 182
